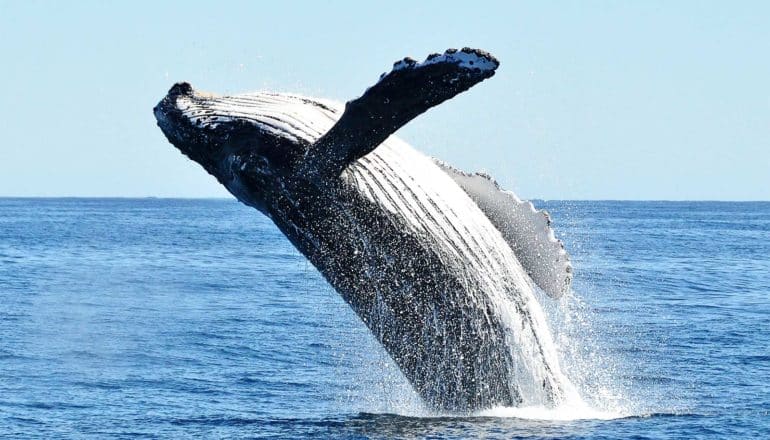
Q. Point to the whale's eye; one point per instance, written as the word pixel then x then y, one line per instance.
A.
pixel 262 165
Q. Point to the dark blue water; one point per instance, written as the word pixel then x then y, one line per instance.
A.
pixel 177 318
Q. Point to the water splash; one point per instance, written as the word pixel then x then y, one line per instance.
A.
pixel 588 375
pixel 597 390
pixel 562 413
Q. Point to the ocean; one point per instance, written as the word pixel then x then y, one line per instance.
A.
pixel 157 318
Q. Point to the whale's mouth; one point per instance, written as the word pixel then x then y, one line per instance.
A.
pixel 217 131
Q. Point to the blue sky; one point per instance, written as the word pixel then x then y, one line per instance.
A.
pixel 593 100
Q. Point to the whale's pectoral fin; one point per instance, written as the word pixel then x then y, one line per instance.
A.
pixel 527 230
pixel 408 90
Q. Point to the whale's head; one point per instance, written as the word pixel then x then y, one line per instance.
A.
pixel 250 143
pixel 256 143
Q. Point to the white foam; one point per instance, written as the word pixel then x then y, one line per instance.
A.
pixel 564 412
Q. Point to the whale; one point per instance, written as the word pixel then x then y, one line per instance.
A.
pixel 445 268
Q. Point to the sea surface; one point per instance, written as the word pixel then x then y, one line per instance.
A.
pixel 158 318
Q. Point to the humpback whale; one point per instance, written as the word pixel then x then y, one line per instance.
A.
pixel 441 265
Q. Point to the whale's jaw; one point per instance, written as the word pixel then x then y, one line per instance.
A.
pixel 249 155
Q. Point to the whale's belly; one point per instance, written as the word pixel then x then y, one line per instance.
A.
pixel 492 290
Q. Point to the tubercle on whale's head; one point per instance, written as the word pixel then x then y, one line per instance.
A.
pixel 234 150
pixel 176 127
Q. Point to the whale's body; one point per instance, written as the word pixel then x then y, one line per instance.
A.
pixel 438 264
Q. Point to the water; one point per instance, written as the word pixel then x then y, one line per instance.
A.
pixel 157 318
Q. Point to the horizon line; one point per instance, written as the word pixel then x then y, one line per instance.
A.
pixel 2 197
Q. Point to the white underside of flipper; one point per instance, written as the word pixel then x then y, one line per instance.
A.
pixel 527 230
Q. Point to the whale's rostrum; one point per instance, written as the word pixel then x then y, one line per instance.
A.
pixel 440 265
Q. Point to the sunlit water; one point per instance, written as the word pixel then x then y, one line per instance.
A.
pixel 146 318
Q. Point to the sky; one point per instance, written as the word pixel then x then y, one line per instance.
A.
pixel 593 100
